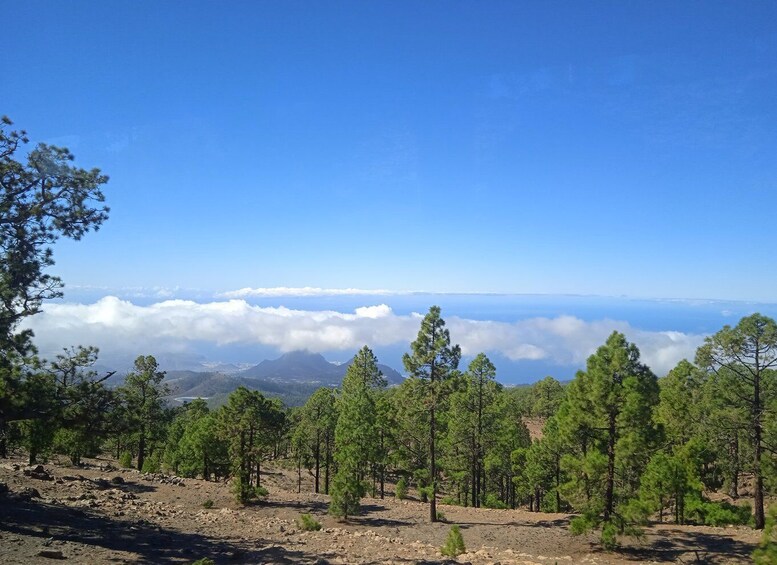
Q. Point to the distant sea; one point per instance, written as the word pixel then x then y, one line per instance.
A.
pixel 684 315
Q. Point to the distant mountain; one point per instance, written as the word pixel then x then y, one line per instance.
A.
pixel 303 366
pixel 185 385
pixel 393 377
pixel 295 366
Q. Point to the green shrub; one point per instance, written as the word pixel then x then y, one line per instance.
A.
pixel 579 525
pixel 240 490
pixel 261 492
pixel 401 492
pixel 308 523
pixel 493 502
pixel 440 516
pixel 152 464
pixel 425 493
pixel 454 545
pixel 718 513
pixel 766 554
pixel 450 501
pixel 204 561
pixel 207 504
pixel 125 460
pixel 609 536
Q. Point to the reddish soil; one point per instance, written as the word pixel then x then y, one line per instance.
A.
pixel 99 514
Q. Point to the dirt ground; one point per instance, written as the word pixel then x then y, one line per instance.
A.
pixel 100 514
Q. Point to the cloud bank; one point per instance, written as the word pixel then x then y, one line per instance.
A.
pixel 121 327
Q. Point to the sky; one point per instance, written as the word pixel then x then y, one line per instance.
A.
pixel 611 149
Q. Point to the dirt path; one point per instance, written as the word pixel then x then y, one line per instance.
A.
pixel 98 514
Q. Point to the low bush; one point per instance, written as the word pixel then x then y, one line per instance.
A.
pixel 454 545
pixel 722 513
pixel 308 523
pixel 493 502
pixel 401 491
pixel 207 504
pixel 125 460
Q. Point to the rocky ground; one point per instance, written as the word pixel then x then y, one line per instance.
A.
pixel 100 514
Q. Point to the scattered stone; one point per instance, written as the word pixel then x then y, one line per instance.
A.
pixel 38 472
pixel 102 483
pixel 27 493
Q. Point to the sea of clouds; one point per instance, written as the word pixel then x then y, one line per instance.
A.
pixel 121 327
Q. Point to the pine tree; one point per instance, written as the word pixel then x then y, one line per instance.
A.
pixel 42 199
pixel 610 408
pixel 142 397
pixel 743 361
pixel 546 397
pixel 314 434
pixel 247 423
pixel 356 434
pixel 432 361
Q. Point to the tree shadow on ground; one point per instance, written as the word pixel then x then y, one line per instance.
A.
pixel 374 522
pixel 126 486
pixel 153 544
pixel 558 523
pixel 682 546
pixel 307 506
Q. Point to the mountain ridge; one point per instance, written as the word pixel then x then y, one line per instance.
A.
pixel 304 366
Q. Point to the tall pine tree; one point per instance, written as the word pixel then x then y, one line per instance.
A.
pixel 356 435
pixel 616 394
pixel 432 361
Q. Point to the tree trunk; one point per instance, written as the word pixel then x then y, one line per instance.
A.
pixel 328 464
pixel 432 466
pixel 758 495
pixel 610 488
pixel 537 498
pixel 734 451
pixel 474 482
pixel 141 449
pixel 4 442
pixel 318 459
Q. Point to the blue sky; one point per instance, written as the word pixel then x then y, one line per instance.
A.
pixel 605 148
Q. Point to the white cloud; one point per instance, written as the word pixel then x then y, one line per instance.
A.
pixel 119 326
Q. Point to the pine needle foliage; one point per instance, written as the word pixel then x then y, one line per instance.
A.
pixel 454 545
